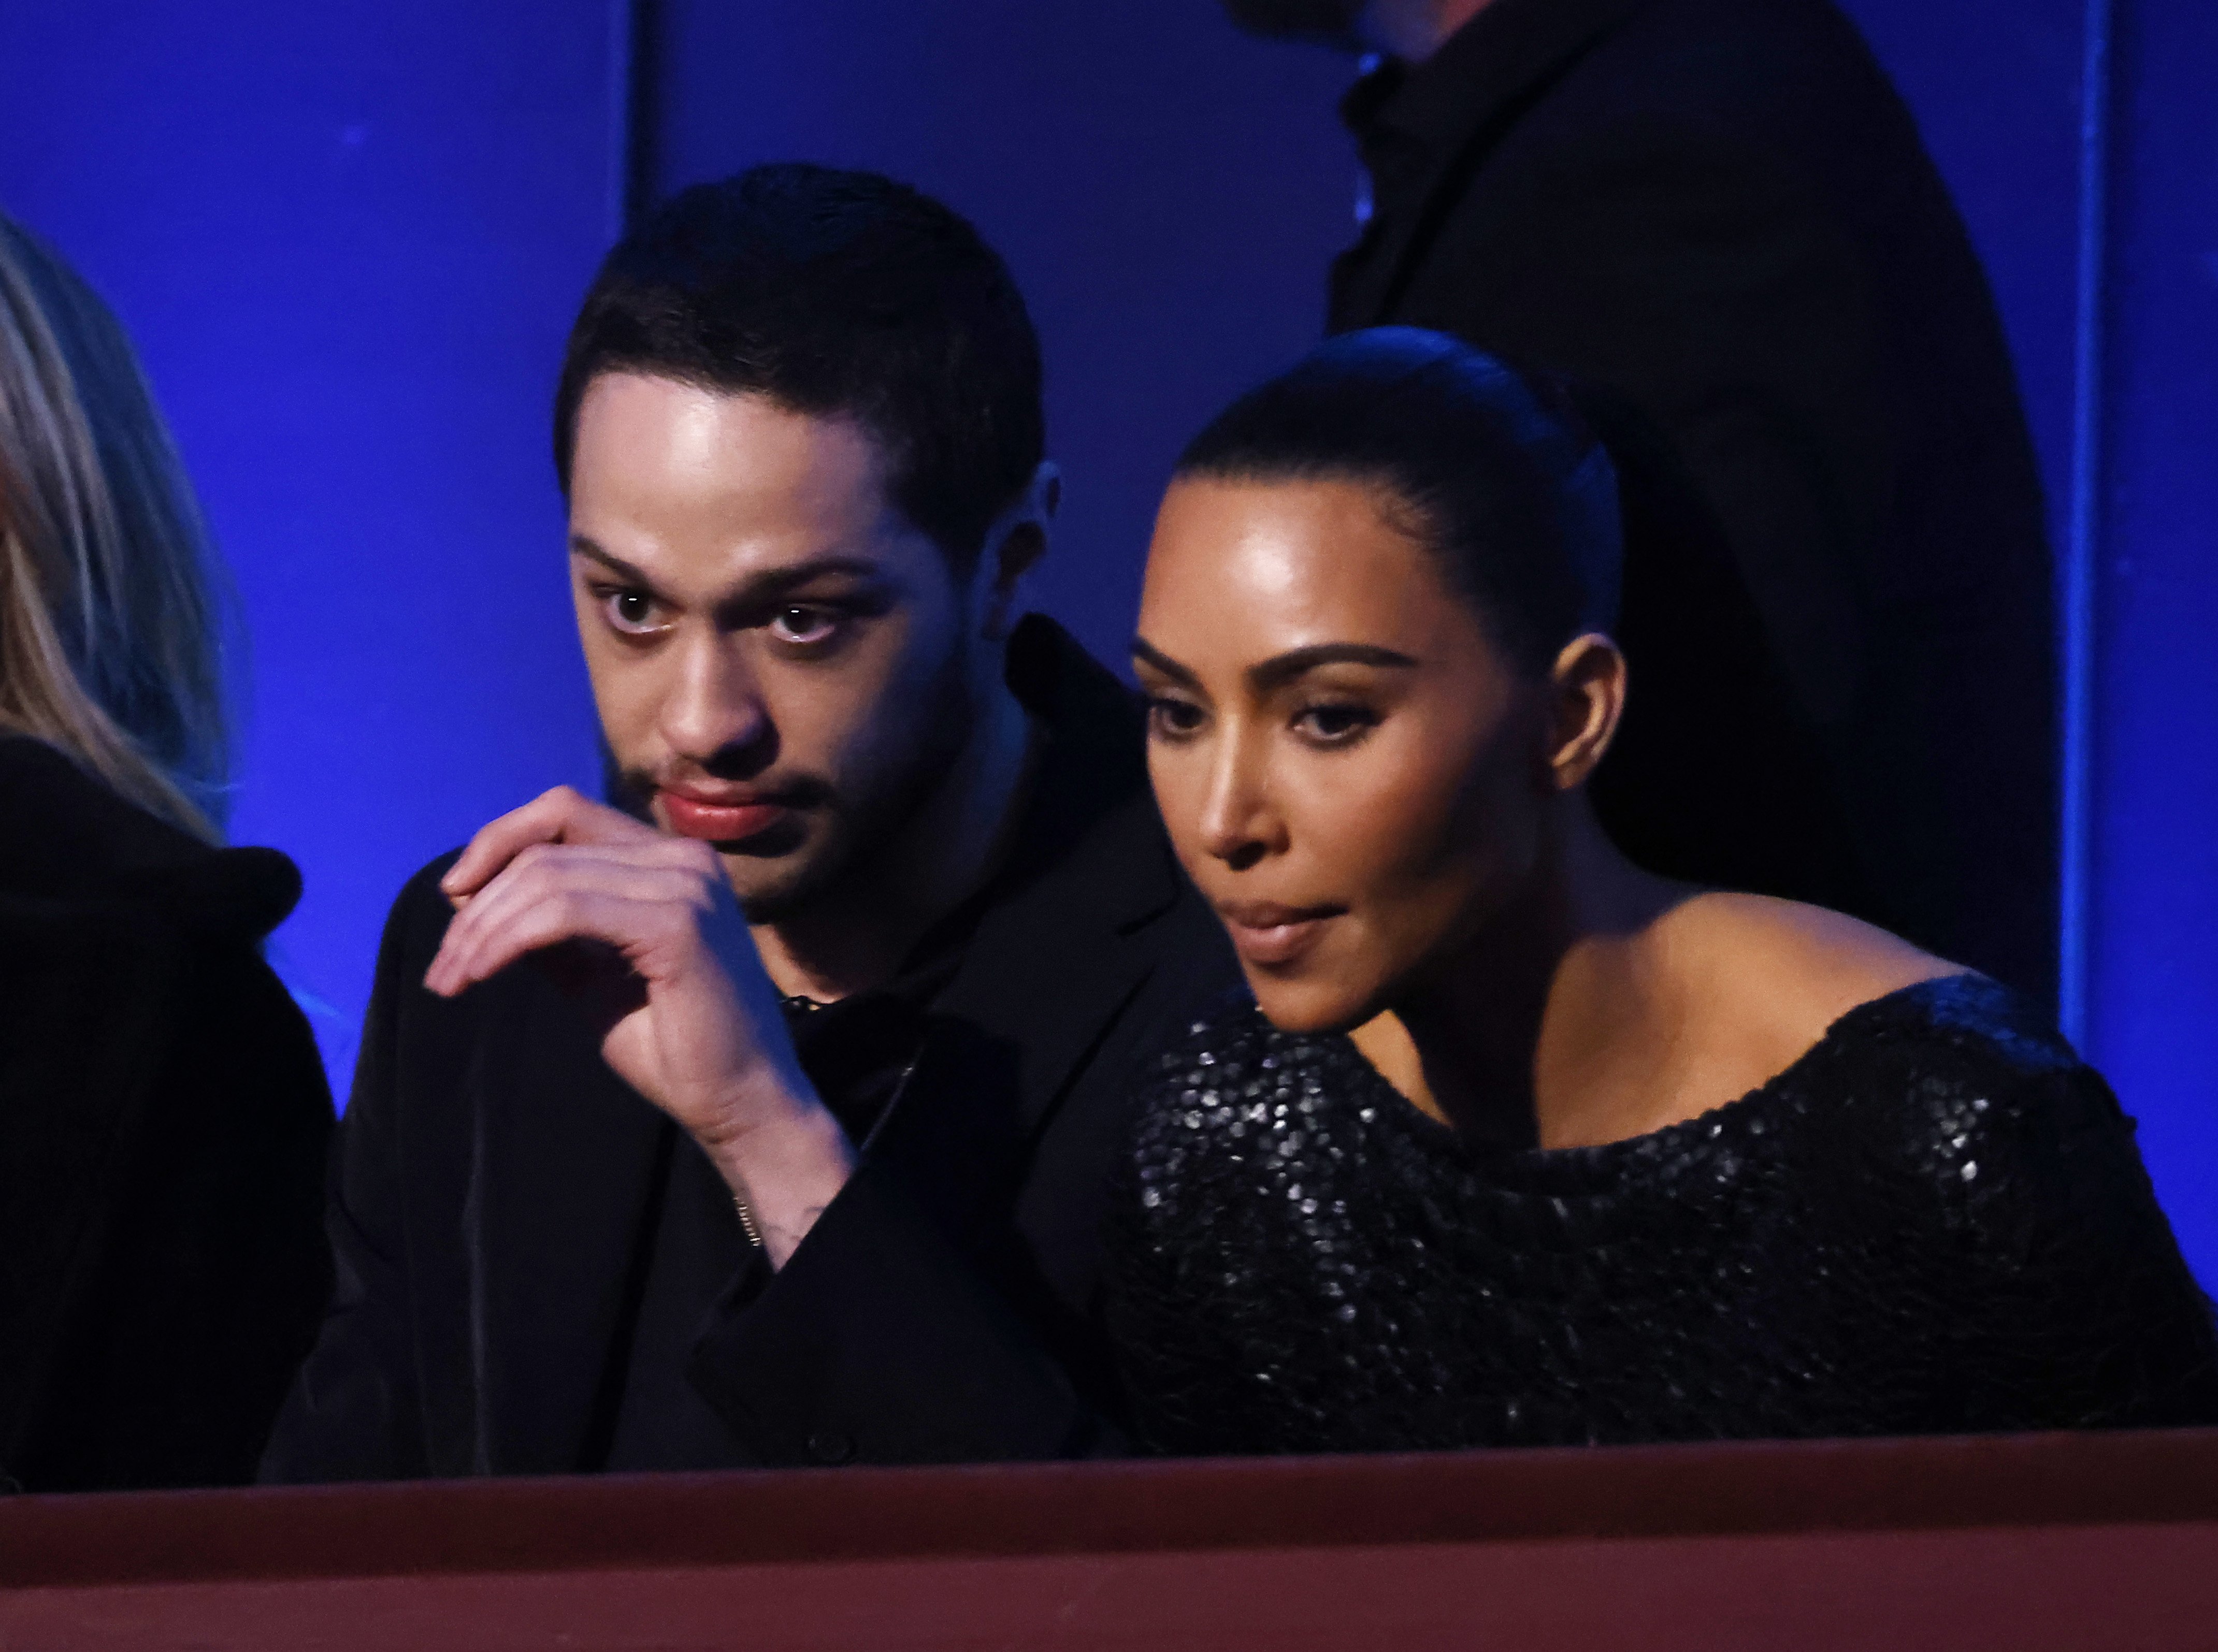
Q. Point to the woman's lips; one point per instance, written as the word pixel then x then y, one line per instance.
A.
pixel 690 817
pixel 1270 936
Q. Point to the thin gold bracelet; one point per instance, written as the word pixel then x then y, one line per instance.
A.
pixel 747 1221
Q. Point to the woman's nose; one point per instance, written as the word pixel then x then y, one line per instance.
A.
pixel 715 707
pixel 1239 823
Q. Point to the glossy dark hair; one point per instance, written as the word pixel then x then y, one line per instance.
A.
pixel 831 293
pixel 1492 470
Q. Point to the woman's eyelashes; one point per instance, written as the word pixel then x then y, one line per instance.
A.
pixel 1172 719
pixel 1324 724
pixel 1334 723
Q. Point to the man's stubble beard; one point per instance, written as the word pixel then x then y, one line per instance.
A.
pixel 914 759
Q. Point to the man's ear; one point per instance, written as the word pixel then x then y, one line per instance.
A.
pixel 1014 547
pixel 1586 689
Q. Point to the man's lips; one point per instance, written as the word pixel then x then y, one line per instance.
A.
pixel 1267 933
pixel 719 821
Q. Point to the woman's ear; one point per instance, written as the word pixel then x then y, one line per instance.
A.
pixel 1015 545
pixel 1586 688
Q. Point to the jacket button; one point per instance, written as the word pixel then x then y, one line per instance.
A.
pixel 832 1447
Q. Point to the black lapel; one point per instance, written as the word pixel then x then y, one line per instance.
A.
pixel 1455 108
pixel 1046 973
pixel 1060 951
pixel 564 1170
pixel 1057 954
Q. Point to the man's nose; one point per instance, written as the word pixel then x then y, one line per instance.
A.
pixel 715 707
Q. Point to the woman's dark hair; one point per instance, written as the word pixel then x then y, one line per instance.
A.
pixel 1489 469
pixel 831 293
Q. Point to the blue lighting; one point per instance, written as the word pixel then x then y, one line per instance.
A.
pixel 348 238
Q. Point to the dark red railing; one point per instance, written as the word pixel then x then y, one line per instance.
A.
pixel 2078 1541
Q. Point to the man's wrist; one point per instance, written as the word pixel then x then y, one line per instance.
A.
pixel 782 1170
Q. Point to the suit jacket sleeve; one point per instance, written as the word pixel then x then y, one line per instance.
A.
pixel 881 1341
pixel 354 1412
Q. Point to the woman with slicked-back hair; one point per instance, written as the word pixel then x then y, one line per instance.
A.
pixel 163 1111
pixel 1510 1141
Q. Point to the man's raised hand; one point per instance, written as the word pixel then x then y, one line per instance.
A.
pixel 685 1014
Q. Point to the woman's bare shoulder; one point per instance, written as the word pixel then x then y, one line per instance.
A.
pixel 1789 971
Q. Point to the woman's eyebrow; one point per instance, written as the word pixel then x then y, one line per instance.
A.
pixel 1281 669
pixel 1142 649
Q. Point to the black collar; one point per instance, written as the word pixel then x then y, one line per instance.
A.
pixel 66 836
pixel 1402 112
pixel 1091 763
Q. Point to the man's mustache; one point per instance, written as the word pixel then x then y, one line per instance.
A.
pixel 792 791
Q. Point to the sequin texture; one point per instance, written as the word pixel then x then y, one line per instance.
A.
pixel 1935 1220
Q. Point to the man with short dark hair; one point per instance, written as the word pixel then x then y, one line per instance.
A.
pixel 764 1118
pixel 1720 213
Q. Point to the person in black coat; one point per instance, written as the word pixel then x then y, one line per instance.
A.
pixel 769 1119
pixel 1718 214
pixel 163 1110
pixel 162 1125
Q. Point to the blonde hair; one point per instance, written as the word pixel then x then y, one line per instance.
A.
pixel 110 605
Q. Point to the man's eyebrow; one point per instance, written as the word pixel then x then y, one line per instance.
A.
pixel 771 583
pixel 1282 669
pixel 593 552
pixel 766 586
pixel 1142 649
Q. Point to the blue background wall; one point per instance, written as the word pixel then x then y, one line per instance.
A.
pixel 2152 861
pixel 349 237
pixel 1167 192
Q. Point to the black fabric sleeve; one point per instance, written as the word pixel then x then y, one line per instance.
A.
pixel 354 1412
pixel 2079 1310
pixel 880 1341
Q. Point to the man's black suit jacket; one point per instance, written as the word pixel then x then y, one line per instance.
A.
pixel 489 1194
pixel 1720 211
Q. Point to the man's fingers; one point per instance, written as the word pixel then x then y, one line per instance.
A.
pixel 624 922
pixel 573 915
pixel 563 815
pixel 557 877
pixel 542 874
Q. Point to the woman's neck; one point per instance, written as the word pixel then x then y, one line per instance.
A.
pixel 1541 1031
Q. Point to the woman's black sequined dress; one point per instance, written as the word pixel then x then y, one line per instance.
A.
pixel 1934 1222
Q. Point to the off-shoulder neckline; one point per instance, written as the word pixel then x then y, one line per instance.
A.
pixel 1929 998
